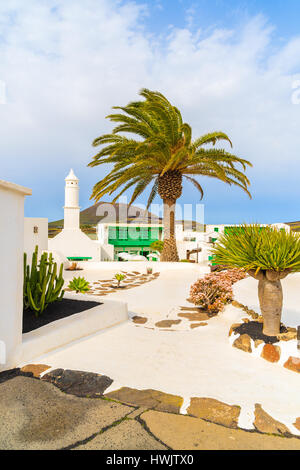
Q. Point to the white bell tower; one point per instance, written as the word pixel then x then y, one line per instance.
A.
pixel 71 208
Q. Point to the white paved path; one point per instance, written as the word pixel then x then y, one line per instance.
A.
pixel 189 363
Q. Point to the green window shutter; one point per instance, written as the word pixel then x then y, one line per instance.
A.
pixel 112 233
pixel 123 233
pixel 154 233
pixel 144 233
pixel 216 229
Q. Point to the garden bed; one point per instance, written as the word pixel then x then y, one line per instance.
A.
pixel 55 311
pixel 255 330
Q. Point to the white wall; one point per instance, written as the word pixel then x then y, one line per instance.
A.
pixel 75 243
pixel 107 252
pixel 11 270
pixel 32 238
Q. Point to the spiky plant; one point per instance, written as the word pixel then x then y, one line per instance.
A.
pixel 161 154
pixel 79 284
pixel 268 255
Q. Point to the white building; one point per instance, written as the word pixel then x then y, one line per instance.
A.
pixel 35 234
pixel 71 241
pixel 11 271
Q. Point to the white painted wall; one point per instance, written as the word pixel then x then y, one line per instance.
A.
pixel 11 270
pixel 33 237
pixel 107 252
pixel 75 243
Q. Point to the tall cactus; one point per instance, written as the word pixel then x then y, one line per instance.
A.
pixel 42 285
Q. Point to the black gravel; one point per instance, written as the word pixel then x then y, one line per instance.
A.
pixel 55 311
pixel 255 330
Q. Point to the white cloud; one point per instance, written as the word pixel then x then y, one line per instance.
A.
pixel 65 63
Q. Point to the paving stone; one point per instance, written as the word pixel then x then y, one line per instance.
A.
pixel 139 320
pixel 289 336
pixel 293 363
pixel 215 411
pixel 167 323
pixel 186 433
pixel 35 369
pixel 128 435
pixel 196 325
pixel 297 424
pixel 81 384
pixel 237 304
pixel 265 423
pixel 194 316
pixel 37 415
pixel 271 353
pixel 190 309
pixel 9 374
pixel 243 342
pixel 137 412
pixel 150 398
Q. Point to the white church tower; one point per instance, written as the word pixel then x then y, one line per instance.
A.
pixel 71 208
pixel 71 242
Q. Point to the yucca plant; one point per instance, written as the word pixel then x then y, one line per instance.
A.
pixel 160 154
pixel 267 254
pixel 79 284
pixel 119 277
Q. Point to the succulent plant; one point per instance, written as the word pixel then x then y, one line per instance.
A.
pixel 267 254
pixel 79 284
pixel 119 277
pixel 42 285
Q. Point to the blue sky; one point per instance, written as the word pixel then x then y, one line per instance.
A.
pixel 228 65
pixel 283 14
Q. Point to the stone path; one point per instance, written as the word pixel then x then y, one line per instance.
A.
pixel 35 414
pixel 110 286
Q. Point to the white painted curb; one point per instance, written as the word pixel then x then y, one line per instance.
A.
pixel 61 332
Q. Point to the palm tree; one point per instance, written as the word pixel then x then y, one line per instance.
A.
pixel 161 154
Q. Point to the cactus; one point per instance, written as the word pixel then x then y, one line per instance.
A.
pixel 79 284
pixel 42 285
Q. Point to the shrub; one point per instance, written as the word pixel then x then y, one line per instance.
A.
pixel 42 285
pixel 215 290
pixel 158 245
pixel 79 284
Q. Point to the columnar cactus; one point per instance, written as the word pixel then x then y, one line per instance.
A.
pixel 42 285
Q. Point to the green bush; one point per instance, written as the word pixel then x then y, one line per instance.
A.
pixel 259 249
pixel 79 284
pixel 42 285
pixel 158 245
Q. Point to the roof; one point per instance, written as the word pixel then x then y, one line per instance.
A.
pixel 71 176
pixel 15 187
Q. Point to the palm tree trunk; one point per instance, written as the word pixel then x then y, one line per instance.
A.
pixel 270 300
pixel 169 252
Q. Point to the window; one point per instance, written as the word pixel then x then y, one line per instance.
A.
pixel 122 233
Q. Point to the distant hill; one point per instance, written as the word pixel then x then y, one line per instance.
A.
pixel 295 226
pixel 109 212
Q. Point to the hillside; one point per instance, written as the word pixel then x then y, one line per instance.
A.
pixel 112 213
